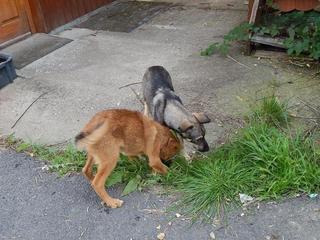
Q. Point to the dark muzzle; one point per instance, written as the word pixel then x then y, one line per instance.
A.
pixel 202 145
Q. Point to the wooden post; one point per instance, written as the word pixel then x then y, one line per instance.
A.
pixel 253 9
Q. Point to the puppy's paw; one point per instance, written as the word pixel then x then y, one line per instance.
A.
pixel 156 172
pixel 113 203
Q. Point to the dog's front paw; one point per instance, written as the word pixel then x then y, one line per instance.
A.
pixel 114 203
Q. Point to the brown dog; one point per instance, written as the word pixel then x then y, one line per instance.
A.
pixel 113 131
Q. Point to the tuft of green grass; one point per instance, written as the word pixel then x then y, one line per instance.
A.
pixel 260 161
pixel 62 161
pixel 271 111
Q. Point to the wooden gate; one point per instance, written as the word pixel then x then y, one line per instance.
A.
pixel 13 19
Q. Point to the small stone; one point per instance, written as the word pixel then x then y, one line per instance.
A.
pixel 313 195
pixel 242 214
pixel 216 222
pixel 178 215
pixel 158 227
pixel 169 223
pixel 161 236
pixel 244 198
pixel 255 64
pixel 212 236
pixel 45 168
pixel 31 154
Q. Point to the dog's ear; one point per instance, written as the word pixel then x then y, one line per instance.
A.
pixel 185 125
pixel 201 117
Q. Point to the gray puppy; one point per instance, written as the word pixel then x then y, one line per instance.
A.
pixel 164 106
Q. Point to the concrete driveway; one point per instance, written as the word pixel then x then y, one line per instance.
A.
pixel 84 76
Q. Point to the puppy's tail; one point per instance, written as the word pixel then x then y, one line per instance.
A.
pixel 89 135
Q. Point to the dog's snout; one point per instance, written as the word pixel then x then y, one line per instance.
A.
pixel 203 146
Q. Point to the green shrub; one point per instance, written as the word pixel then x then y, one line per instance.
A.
pixel 300 32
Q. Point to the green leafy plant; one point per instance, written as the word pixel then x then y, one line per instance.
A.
pixel 300 32
pixel 239 33
pixel 134 173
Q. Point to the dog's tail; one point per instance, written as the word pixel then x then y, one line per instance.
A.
pixel 90 134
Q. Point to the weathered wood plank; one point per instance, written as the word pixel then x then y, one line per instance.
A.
pixel 275 41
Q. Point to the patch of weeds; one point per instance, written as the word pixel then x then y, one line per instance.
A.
pixel 134 173
pixel 209 185
pixel 62 161
pixel 260 161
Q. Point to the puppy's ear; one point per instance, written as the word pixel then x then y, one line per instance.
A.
pixel 201 117
pixel 185 125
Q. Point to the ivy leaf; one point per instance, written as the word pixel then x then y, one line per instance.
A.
pixel 291 33
pixel 290 51
pixel 299 47
pixel 131 186
pixel 306 44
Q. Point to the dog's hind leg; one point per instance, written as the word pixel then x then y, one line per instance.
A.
pixel 106 163
pixel 87 169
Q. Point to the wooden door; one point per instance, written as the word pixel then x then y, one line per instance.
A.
pixel 13 19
